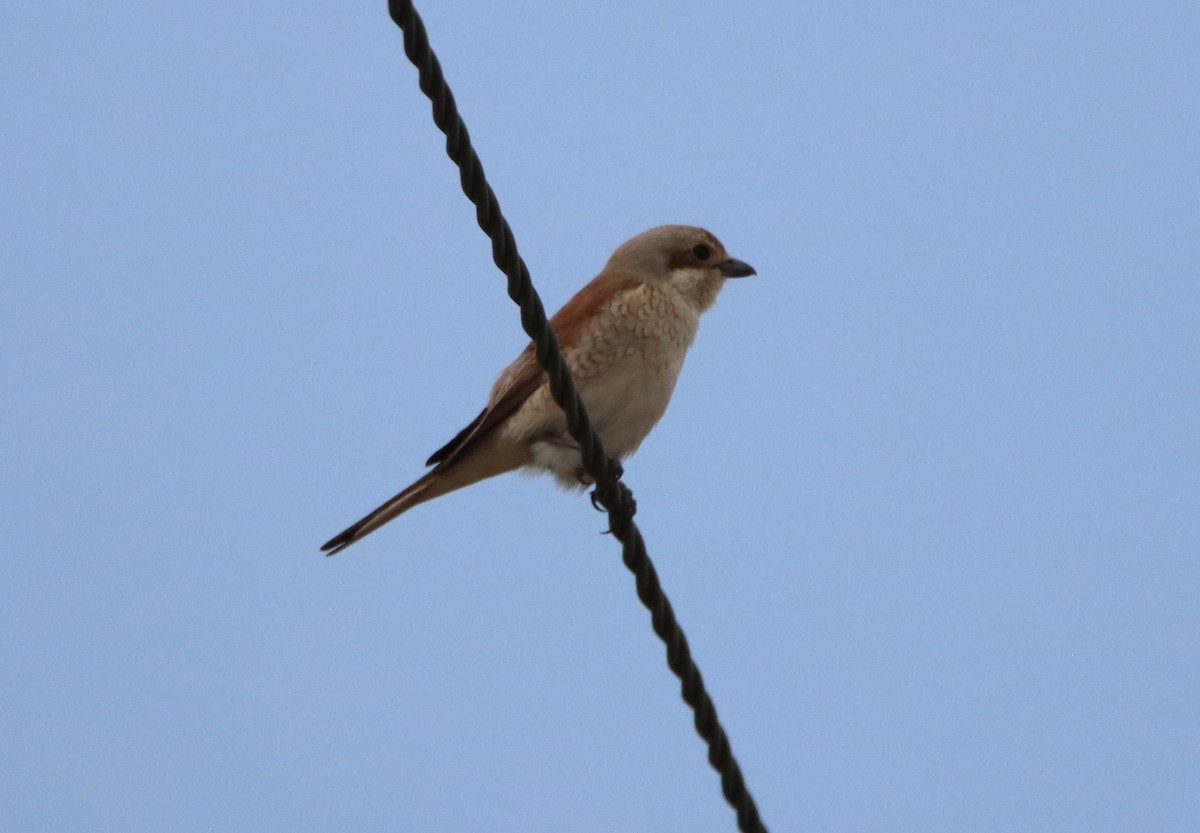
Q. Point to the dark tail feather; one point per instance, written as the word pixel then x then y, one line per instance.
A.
pixel 485 460
pixel 410 497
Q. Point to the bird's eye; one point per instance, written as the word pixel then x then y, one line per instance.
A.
pixel 701 251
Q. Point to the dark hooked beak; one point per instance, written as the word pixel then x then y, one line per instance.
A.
pixel 734 268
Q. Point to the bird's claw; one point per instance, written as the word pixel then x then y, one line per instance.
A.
pixel 600 507
pixel 615 472
pixel 617 497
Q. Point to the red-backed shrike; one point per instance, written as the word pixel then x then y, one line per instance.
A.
pixel 624 337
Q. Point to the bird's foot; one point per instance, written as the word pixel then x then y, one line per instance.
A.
pixel 613 496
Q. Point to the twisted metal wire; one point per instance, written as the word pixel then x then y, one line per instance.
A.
pixel 610 494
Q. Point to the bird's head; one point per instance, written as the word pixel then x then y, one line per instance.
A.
pixel 688 259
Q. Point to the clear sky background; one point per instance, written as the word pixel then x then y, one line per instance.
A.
pixel 927 499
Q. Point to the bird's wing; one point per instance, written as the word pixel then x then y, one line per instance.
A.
pixel 518 383
pixel 524 376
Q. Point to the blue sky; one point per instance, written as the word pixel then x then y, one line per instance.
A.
pixel 926 499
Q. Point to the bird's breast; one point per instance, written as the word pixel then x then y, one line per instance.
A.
pixel 627 364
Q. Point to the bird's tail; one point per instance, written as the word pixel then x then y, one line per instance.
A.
pixel 444 478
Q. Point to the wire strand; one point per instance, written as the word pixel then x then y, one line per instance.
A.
pixel 611 494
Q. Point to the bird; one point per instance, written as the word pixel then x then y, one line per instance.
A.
pixel 623 336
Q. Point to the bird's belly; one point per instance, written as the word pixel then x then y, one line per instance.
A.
pixel 628 400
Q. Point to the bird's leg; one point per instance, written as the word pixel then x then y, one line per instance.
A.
pixel 567 441
pixel 560 454
pixel 614 488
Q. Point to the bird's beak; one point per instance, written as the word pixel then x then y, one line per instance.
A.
pixel 734 268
